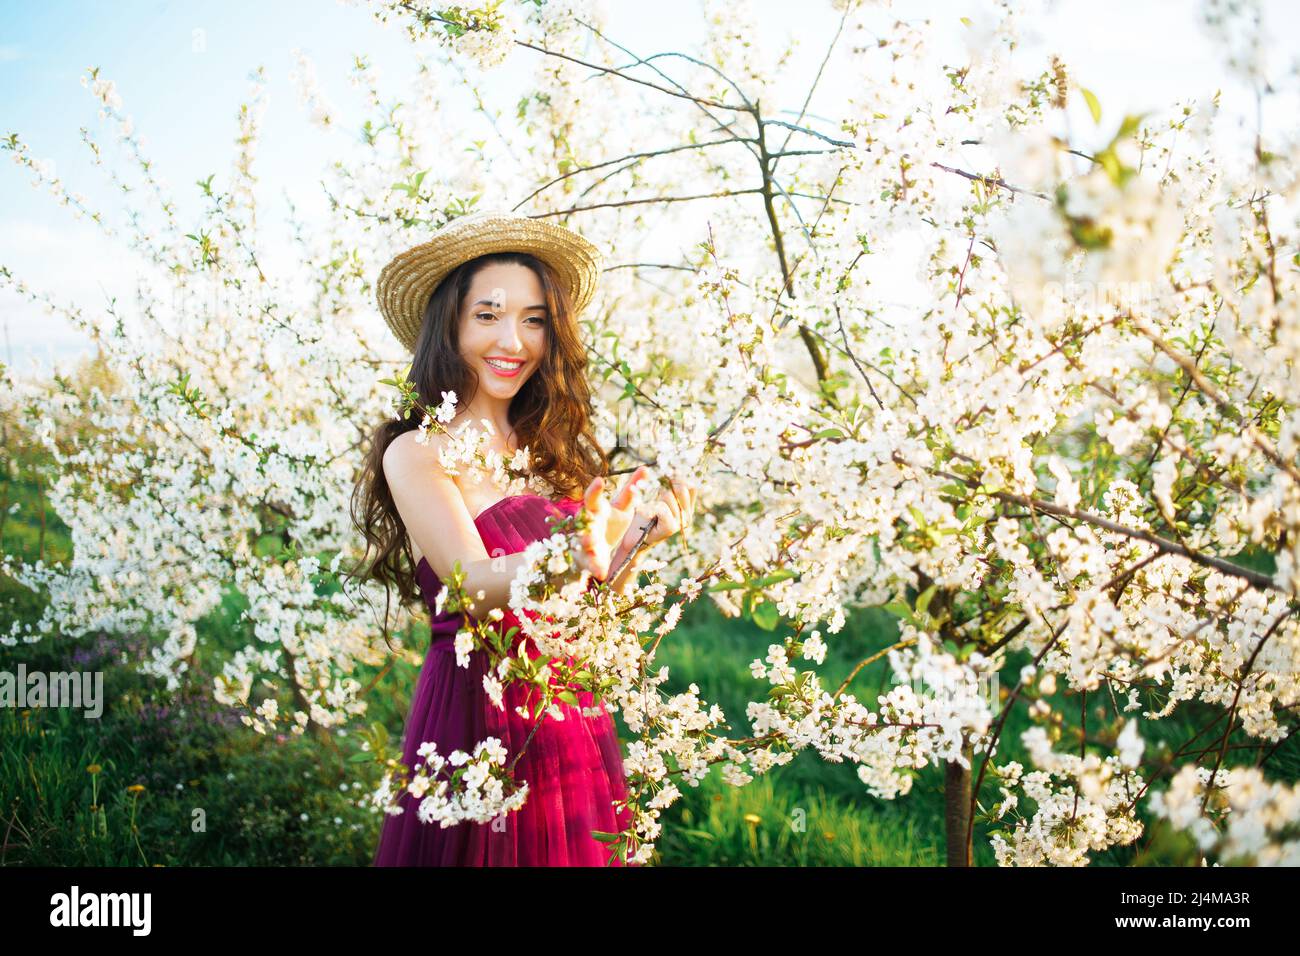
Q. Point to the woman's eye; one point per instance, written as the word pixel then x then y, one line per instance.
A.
pixel 540 320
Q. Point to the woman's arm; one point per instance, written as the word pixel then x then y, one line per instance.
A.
pixel 434 513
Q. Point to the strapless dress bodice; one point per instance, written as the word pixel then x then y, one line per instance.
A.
pixel 507 527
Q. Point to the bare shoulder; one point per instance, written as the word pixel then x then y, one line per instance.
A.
pixel 405 453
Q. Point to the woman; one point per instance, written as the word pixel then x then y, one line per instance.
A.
pixel 488 306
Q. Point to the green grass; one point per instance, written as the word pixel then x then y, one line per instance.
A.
pixel 840 824
pixel 214 793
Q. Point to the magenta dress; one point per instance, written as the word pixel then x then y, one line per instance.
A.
pixel 573 767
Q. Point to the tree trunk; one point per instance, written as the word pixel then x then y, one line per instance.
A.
pixel 956 798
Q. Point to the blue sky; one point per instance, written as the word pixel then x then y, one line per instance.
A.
pixel 182 66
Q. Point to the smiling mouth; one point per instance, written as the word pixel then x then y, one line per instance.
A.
pixel 503 368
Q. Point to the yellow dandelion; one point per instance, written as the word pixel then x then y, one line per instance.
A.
pixel 753 819
pixel 93 769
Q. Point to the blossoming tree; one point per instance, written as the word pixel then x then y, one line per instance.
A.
pixel 1070 456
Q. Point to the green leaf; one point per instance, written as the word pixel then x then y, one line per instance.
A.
pixel 700 835
pixel 923 602
pixel 783 575
pixel 766 616
pixel 1110 162
pixel 1128 127
pixel 1094 105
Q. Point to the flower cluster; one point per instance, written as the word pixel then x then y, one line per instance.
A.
pixel 1243 820
pixel 1081 804
pixel 485 34
pixel 461 787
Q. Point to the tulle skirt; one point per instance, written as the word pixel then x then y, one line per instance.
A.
pixel 573 768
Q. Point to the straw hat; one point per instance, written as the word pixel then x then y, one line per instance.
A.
pixel 406 283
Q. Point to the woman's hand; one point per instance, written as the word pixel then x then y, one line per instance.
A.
pixel 606 523
pixel 672 511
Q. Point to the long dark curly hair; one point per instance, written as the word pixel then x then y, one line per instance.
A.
pixel 550 414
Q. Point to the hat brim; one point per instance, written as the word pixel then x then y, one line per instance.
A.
pixel 406 283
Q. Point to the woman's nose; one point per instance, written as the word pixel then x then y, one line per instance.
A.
pixel 509 340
